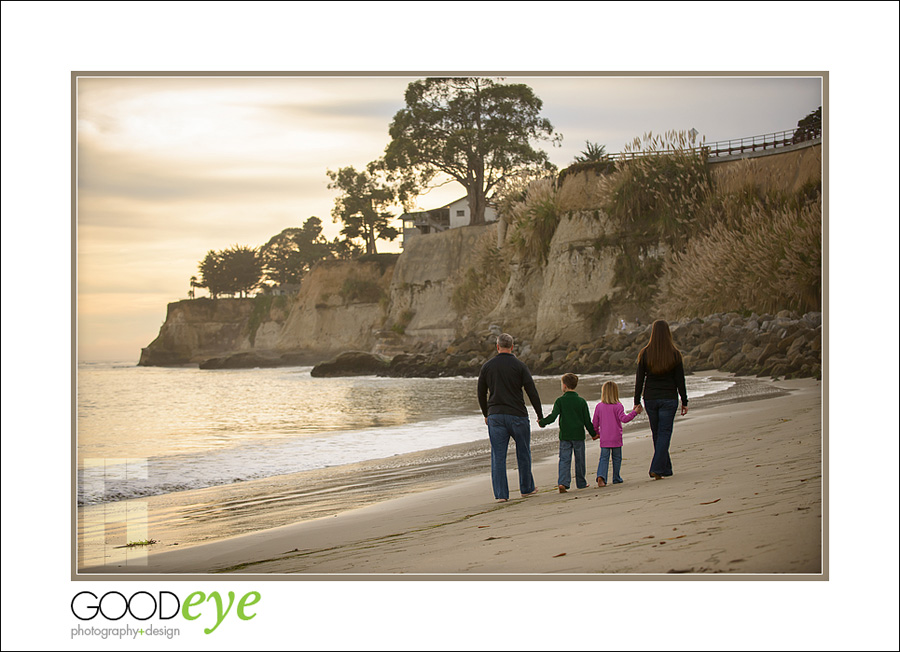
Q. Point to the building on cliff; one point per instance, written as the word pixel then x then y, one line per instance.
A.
pixel 451 216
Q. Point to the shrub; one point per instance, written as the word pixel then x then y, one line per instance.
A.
pixel 356 290
pixel 660 189
pixel 533 220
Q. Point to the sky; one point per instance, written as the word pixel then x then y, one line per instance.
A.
pixel 857 43
pixel 170 167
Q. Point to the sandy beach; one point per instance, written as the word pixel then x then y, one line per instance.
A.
pixel 746 499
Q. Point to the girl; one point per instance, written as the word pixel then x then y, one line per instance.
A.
pixel 660 377
pixel 609 415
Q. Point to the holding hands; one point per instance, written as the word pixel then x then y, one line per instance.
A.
pixel 638 408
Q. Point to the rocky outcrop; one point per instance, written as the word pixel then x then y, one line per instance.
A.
pixel 198 329
pixel 340 306
pixel 565 312
pixel 785 345
pixel 352 363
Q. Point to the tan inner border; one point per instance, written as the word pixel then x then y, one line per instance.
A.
pixel 75 75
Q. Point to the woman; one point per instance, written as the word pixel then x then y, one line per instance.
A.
pixel 660 378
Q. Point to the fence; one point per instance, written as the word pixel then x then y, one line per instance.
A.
pixel 739 145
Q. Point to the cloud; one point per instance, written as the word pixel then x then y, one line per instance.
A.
pixel 111 174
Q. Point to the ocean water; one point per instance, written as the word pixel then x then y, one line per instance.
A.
pixel 148 431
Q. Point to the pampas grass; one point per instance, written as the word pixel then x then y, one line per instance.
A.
pixel 533 220
pixel 660 184
pixel 770 261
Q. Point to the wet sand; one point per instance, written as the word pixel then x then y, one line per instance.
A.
pixel 746 498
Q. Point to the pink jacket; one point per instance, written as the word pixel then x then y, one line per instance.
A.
pixel 608 420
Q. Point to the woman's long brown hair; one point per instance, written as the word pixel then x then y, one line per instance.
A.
pixel 660 354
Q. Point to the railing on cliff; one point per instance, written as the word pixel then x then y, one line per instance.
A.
pixel 737 146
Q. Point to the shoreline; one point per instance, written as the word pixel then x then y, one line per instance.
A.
pixel 439 491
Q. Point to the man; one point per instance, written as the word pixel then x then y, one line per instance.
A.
pixel 500 386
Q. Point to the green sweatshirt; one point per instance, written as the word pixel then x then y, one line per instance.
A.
pixel 574 417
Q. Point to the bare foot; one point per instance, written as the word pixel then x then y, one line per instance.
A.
pixel 601 482
pixel 533 493
pixel 502 500
pixel 562 489
pixel 656 476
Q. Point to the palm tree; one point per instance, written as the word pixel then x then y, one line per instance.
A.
pixel 593 153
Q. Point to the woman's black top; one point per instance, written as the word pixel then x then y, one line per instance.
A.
pixel 655 386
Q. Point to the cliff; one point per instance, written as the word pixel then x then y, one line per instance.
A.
pixel 198 329
pixel 421 306
pixel 447 290
pixel 341 305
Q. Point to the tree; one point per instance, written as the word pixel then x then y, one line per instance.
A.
pixel 288 256
pixel 231 271
pixel 243 268
pixel 809 127
pixel 471 129
pixel 592 153
pixel 363 205
pixel 212 274
pixel 345 249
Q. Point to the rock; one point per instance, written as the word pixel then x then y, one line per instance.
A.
pixel 151 357
pixel 720 356
pixel 816 344
pixel 708 346
pixel 769 351
pixel 352 363
pixel 247 360
pixel 814 319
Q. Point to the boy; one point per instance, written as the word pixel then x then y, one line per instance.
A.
pixel 574 417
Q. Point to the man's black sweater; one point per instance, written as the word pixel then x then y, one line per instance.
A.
pixel 500 386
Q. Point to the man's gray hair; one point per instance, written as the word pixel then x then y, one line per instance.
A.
pixel 505 341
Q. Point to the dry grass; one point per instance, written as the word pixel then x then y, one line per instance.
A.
pixel 770 261
pixel 743 235
pixel 581 191
pixel 659 191
pixel 533 219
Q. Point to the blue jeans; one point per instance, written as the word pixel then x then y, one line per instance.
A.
pixel 500 428
pixel 661 414
pixel 566 448
pixel 603 467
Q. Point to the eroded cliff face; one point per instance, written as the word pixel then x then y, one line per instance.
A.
pixel 397 304
pixel 198 329
pixel 341 305
pixel 423 283
pixel 577 279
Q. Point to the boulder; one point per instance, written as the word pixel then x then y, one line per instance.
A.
pixel 246 360
pixel 352 363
